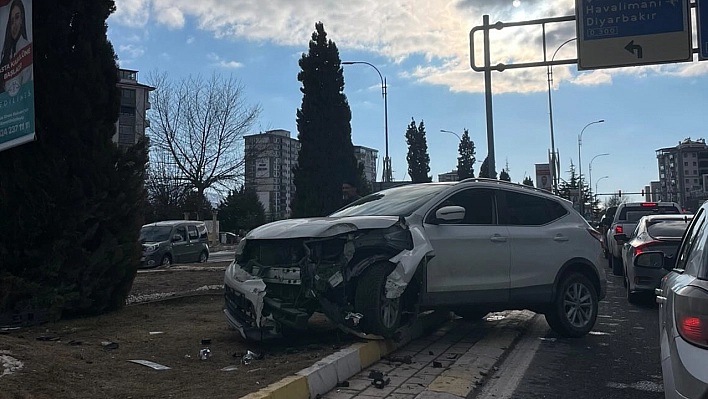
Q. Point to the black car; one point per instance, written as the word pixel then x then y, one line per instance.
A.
pixel 653 233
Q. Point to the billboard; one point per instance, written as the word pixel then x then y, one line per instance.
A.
pixel 543 176
pixel 262 167
pixel 16 74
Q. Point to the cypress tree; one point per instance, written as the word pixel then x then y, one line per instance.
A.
pixel 418 158
pixel 466 160
pixel 326 158
pixel 484 169
pixel 71 202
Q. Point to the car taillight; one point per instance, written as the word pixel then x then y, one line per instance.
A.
pixel 619 230
pixel 596 234
pixel 643 247
pixel 691 312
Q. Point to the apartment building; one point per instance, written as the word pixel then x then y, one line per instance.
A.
pixel 369 157
pixel 448 176
pixel 269 160
pixel 681 173
pixel 134 103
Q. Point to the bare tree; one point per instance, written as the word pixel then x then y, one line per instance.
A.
pixel 199 123
pixel 165 186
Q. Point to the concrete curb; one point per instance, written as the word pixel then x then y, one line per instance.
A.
pixel 471 369
pixel 324 375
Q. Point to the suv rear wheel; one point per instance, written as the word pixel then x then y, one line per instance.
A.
pixel 574 309
pixel 382 315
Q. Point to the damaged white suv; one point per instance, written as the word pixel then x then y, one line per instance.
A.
pixel 471 247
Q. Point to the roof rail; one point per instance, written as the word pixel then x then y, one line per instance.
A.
pixel 488 180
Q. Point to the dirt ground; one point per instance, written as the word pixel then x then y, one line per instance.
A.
pixel 90 358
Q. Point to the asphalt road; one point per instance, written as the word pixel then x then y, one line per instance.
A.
pixel 619 359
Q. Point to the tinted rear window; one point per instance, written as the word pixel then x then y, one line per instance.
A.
pixel 668 228
pixel 632 214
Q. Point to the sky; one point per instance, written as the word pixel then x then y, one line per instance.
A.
pixel 422 48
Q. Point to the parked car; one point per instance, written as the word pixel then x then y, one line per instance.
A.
pixel 604 226
pixel 174 241
pixel 653 233
pixel 625 221
pixel 683 312
pixel 473 246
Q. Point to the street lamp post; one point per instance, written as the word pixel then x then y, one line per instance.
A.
pixel 598 181
pixel 449 131
pixel 590 168
pixel 581 202
pixel 549 72
pixel 387 173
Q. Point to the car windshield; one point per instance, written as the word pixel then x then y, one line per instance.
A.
pixel 155 233
pixel 397 201
pixel 667 228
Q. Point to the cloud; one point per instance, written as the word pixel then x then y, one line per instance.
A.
pixel 190 40
pixel 173 17
pixel 131 51
pixel 436 32
pixel 593 78
pixel 133 13
pixel 221 63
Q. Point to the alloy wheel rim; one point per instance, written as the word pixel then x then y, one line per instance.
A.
pixel 389 312
pixel 577 305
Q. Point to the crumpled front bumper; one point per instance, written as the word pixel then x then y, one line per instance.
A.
pixel 244 298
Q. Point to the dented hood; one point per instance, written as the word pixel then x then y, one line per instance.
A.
pixel 319 227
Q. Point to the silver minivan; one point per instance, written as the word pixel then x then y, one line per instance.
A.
pixel 174 241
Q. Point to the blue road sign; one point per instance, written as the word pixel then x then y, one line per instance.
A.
pixel 702 22
pixel 617 33
pixel 611 18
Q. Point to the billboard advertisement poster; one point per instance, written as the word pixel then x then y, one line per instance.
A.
pixel 543 176
pixel 16 74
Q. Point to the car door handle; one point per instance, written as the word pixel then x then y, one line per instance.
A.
pixel 560 238
pixel 497 238
pixel 660 299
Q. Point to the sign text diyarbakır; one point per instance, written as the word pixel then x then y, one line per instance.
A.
pixel 631 18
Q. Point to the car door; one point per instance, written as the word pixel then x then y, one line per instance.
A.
pixel 194 244
pixel 471 256
pixel 541 241
pixel 180 244
pixel 689 257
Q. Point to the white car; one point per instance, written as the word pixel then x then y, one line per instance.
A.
pixel 473 247
pixel 683 312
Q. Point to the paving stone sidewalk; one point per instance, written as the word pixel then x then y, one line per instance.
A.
pixel 447 364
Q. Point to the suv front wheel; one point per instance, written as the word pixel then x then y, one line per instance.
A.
pixel 381 315
pixel 574 309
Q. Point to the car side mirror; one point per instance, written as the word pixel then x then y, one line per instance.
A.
pixel 621 238
pixel 451 214
pixel 653 260
pixel 176 238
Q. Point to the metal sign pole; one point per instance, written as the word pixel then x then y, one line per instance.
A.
pixel 488 100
